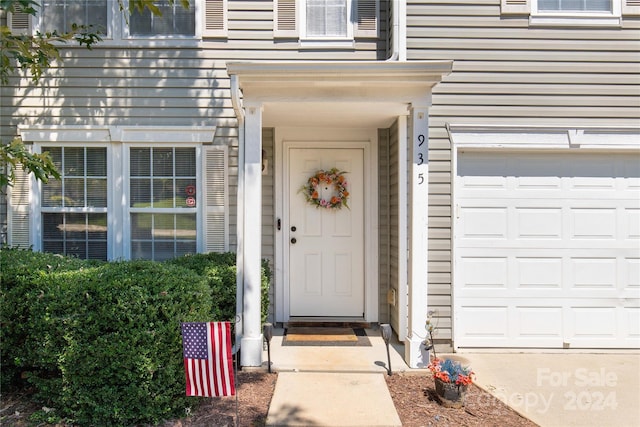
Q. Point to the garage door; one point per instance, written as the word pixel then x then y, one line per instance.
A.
pixel 547 250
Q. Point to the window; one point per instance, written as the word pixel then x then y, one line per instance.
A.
pixel 583 13
pixel 163 211
pixel 175 20
pixel 326 20
pixel 574 6
pixel 74 209
pixel 203 18
pixel 60 14
pixel 156 193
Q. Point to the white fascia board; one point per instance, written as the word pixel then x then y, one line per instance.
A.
pixel 170 134
pixel 541 137
pixel 339 71
pixel 142 134
pixel 64 133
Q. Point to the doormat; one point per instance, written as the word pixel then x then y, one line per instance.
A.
pixel 325 337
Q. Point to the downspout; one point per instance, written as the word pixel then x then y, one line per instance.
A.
pixel 398 31
pixel 236 101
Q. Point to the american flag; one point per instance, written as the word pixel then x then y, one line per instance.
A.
pixel 208 364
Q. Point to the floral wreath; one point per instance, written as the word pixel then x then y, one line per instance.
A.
pixel 331 177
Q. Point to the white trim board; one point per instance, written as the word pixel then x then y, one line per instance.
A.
pixel 543 137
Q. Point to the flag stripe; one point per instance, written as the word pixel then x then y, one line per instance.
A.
pixel 207 359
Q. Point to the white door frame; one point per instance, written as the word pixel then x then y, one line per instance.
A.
pixel 365 139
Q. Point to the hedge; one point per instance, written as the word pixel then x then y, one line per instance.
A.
pixel 100 342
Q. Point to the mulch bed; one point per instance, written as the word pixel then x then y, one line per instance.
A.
pixel 412 394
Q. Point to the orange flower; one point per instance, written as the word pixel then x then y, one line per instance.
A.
pixel 314 195
pixel 334 200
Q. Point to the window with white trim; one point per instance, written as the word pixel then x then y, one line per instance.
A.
pixel 61 14
pixel 156 193
pixel 576 6
pixel 572 12
pixel 74 209
pixel 162 202
pixel 326 20
pixel 175 20
pixel 203 18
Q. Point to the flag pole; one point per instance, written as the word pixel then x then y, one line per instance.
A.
pixel 236 350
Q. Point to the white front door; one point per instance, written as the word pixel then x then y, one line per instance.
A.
pixel 326 246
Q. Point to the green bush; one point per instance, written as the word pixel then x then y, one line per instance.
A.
pixel 220 272
pixel 100 342
pixel 18 267
pixel 103 344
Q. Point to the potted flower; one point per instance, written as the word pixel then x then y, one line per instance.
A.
pixel 451 379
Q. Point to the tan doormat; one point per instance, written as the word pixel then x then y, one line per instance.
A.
pixel 322 336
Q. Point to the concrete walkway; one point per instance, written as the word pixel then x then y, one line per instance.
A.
pixel 333 386
pixel 345 386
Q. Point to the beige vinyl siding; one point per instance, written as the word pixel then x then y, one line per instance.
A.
pixel 268 211
pixel 384 214
pixel 505 72
pixel 184 84
pixel 394 222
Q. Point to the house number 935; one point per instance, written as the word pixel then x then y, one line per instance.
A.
pixel 420 155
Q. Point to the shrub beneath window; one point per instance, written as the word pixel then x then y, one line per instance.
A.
pixel 220 272
pixel 18 268
pixel 101 344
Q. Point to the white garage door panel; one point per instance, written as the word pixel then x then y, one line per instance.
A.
pixel 547 250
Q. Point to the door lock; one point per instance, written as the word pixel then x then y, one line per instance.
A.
pixel 293 240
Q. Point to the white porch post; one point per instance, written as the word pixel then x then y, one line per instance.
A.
pixel 415 354
pixel 251 344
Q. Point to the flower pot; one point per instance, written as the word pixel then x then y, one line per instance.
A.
pixel 451 394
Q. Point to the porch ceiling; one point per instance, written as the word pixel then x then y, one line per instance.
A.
pixel 337 94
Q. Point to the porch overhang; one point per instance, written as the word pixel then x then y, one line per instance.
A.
pixel 337 94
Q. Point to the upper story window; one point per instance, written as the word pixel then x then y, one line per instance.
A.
pixel 61 14
pixel 326 18
pixel 203 18
pixel 326 21
pixel 575 6
pixel 583 13
pixel 175 20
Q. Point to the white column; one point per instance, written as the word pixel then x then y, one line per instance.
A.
pixel 415 354
pixel 251 345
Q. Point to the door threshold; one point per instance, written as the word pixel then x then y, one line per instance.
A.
pixel 327 322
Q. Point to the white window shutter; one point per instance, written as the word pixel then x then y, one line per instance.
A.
pixel 630 7
pixel 216 200
pixel 367 18
pixel 285 19
pixel 215 20
pixel 19 23
pixel 18 210
pixel 515 7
